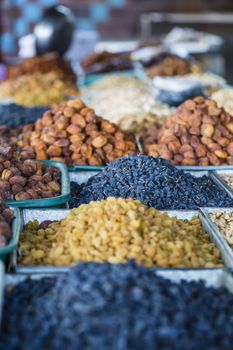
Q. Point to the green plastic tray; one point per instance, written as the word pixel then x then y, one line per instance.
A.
pixel 16 228
pixel 92 78
pixel 48 202
pixel 86 168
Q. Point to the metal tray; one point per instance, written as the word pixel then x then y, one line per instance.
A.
pixel 212 277
pixel 205 212
pixel 15 229
pixel 48 202
pixel 41 215
pixel 217 177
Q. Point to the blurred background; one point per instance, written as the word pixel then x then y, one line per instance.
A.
pixel 101 20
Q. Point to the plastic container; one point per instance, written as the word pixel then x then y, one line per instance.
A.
pixel 48 202
pixel 16 229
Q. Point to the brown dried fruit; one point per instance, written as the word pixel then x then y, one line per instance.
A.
pixel 207 129
pixel 54 151
pixel 41 154
pixel 5 230
pixel 201 151
pixel 22 196
pixel 99 141
pixel 221 154
pixel 20 180
pixel 16 188
pixel 79 120
pixel 86 151
pixel 54 186
pixel 73 129
pixel 230 148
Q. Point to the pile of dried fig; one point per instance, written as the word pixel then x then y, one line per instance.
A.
pixel 6 218
pixel 72 133
pixel 198 133
pixel 22 179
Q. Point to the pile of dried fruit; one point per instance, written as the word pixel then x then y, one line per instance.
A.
pixel 38 89
pixel 6 218
pixel 26 179
pixel 116 230
pixel 71 132
pixel 127 102
pixel 153 181
pixel 228 179
pixel 224 221
pixel 104 61
pixel 198 133
pixel 224 98
pixel 8 136
pixel 170 65
pixel 44 64
pixel 125 306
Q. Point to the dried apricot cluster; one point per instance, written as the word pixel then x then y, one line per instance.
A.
pixel 71 132
pixel 199 133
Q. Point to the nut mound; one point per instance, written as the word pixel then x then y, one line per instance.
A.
pixel 199 133
pixel 116 230
pixel 22 179
pixel 71 132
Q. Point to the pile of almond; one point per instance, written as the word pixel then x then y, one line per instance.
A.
pixel 198 133
pixel 72 133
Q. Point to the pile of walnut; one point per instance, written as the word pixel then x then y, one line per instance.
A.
pixel 198 133
pixel 6 218
pixel 72 133
pixel 26 179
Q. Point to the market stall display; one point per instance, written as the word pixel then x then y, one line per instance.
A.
pixel 104 61
pixel 37 89
pixel 224 98
pixel 15 116
pixel 154 182
pixel 72 133
pixel 198 133
pixel 224 221
pixel 114 166
pixel 26 179
pixel 116 230
pixel 42 65
pixel 6 218
pixel 170 65
pixel 126 101
pixel 96 303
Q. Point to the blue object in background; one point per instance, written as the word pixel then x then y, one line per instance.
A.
pixel 99 12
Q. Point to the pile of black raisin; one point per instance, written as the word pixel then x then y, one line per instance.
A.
pixel 116 307
pixel 15 116
pixel 154 182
